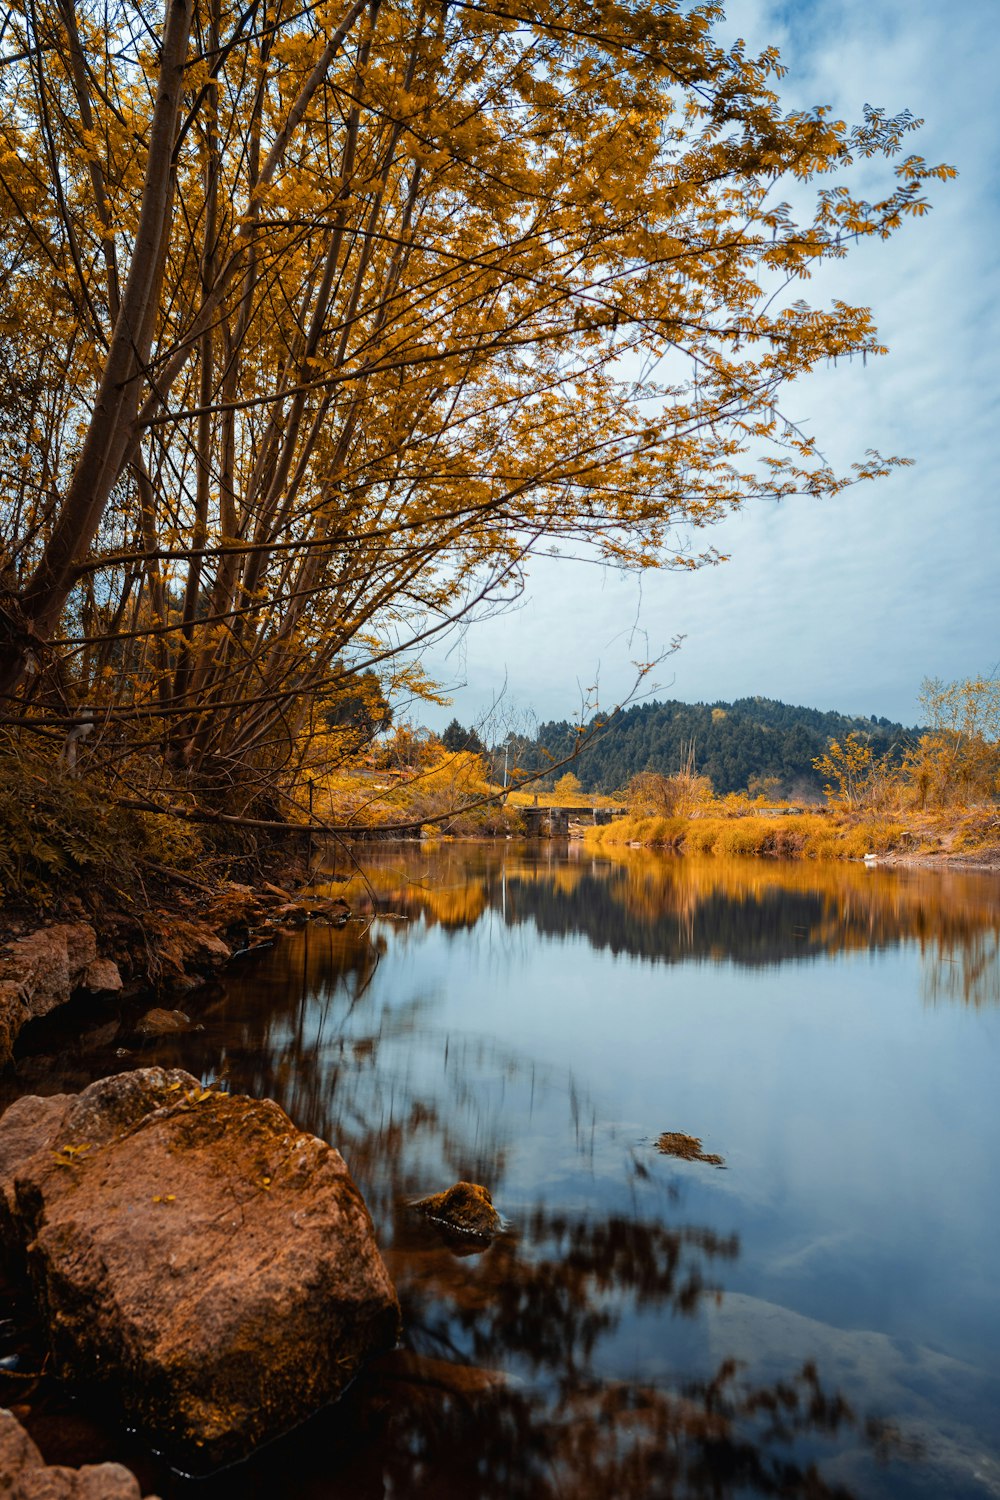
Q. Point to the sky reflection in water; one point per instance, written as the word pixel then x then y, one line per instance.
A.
pixel 819 1318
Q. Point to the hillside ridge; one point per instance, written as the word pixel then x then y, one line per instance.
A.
pixel 752 739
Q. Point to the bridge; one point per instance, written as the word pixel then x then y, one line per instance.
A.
pixel 553 822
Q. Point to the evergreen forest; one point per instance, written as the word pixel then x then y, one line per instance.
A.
pixel 755 743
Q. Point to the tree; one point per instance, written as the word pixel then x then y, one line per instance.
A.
pixel 344 309
pixel 357 704
pixel 857 779
pixel 958 758
pixel 457 738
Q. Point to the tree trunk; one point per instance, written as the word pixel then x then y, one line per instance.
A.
pixel 117 401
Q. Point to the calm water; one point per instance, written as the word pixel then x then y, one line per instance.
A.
pixel 821 1317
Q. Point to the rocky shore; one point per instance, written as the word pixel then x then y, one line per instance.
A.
pixel 169 950
pixel 24 1474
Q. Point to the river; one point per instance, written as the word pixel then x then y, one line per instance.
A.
pixel 818 1316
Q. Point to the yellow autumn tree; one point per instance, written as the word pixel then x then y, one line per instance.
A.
pixel 957 759
pixel 857 779
pixel 343 310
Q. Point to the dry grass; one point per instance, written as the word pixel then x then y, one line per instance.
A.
pixel 806 835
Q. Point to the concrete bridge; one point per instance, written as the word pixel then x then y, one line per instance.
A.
pixel 553 822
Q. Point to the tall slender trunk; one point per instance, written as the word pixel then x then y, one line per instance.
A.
pixel 204 443
pixel 116 405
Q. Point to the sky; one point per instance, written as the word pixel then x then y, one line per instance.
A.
pixel 847 603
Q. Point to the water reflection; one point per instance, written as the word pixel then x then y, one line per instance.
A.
pixel 640 1328
pixel 665 908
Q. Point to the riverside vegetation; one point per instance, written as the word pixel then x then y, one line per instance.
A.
pixel 926 791
pixel 937 792
pixel 317 321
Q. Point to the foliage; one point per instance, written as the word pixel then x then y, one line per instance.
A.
pixel 958 759
pixel 969 709
pixel 357 704
pixel 567 787
pixel 857 778
pixel 812 835
pixel 754 743
pixel 322 318
pixel 408 748
pixel 448 792
pixel 677 795
pixel 63 835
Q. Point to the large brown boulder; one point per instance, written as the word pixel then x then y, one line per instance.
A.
pixel 24 1474
pixel 206 1264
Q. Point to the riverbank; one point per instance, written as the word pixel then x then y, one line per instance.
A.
pixel 169 941
pixel 970 839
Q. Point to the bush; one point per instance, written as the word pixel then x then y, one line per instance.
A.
pixel 678 795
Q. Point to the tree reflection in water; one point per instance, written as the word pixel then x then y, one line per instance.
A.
pixel 670 908
pixel 504 1385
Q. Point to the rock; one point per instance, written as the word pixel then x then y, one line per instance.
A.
pixel 102 977
pixel 28 1125
pixel 278 890
pixel 202 944
pixel 199 1261
pixel 24 1474
pixel 50 963
pixel 464 1381
pixel 467 1207
pixel 180 984
pixel 41 971
pixel 160 1022
pixel 189 945
pixel 291 912
pixel 332 909
pixel 17 1452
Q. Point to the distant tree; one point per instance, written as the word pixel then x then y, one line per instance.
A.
pixel 958 758
pixel 567 788
pixel 410 748
pixel 456 738
pixel 856 778
pixel 754 737
pixel 764 786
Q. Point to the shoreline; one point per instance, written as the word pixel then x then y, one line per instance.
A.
pixel 59 955
pixel 987 862
pixel 49 958
pixel 968 840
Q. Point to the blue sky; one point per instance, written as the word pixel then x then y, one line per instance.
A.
pixel 847 603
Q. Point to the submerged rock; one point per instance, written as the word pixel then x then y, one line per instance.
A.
pixel 160 1022
pixel 208 1267
pixel 466 1208
pixel 24 1474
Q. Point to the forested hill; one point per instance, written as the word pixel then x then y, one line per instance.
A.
pixel 733 743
